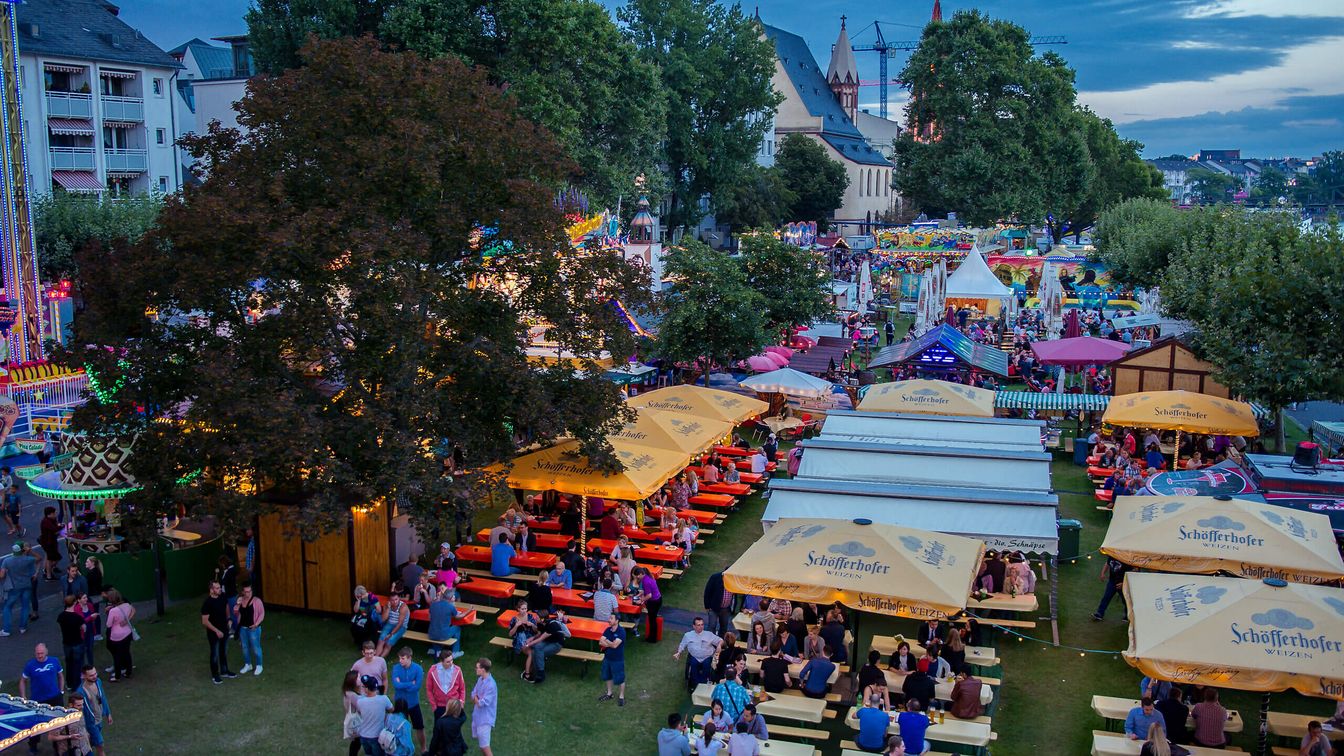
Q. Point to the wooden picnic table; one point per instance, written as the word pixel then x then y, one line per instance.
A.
pixel 1117 707
pixel 544 525
pixel 798 708
pixel 1116 744
pixel 941 690
pixel 732 489
pixel 643 552
pixel 548 541
pixel 749 478
pixel 951 730
pixel 699 515
pixel 773 747
pixel 1002 602
pixel 585 628
pixel 754 667
pixel 978 655
pixel 422 615
pixel 486 587
pixel 733 451
pixel 742 624
pixel 573 598
pixel 1295 726
pixel 719 501
pixel 529 561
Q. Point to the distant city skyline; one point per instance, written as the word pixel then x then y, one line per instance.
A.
pixel 1178 75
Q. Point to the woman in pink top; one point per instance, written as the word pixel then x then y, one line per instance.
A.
pixel 1210 719
pixel 119 634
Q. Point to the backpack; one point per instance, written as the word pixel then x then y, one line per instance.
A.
pixel 387 739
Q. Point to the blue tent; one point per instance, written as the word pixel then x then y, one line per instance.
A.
pixel 21 719
pixel 944 348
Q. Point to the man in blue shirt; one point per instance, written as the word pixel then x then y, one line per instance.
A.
pixel 41 682
pixel 500 554
pixel 559 577
pixel 407 680
pixel 873 724
pixel 1142 717
pixel 913 723
pixel 613 658
pixel 441 615
pixel 816 675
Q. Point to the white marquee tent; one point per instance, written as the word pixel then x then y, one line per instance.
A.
pixel 934 430
pixel 919 464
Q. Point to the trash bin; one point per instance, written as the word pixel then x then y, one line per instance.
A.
pixel 1069 532
pixel 1080 452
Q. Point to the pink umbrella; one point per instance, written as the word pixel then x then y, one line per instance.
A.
pixel 802 342
pixel 780 349
pixel 760 363
pixel 1084 350
pixel 1073 328
pixel 951 318
pixel 776 358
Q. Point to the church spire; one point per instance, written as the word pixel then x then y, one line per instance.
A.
pixel 937 10
pixel 843 74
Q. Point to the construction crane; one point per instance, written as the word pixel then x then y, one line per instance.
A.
pixel 18 251
pixel 887 50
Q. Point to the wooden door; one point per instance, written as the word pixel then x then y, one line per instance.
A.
pixel 281 563
pixel 326 563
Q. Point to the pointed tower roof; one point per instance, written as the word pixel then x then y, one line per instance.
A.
pixel 937 10
pixel 843 68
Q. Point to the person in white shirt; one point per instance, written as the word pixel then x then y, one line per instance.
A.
pixel 743 743
pixel 701 645
pixel 758 462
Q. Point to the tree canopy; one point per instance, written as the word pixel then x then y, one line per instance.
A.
pixel 761 199
pixel 716 69
pixel 712 315
pixel 1136 240
pixel 816 181
pixel 794 283
pixel 64 223
pixel 572 70
pixel 326 325
pixel 1211 187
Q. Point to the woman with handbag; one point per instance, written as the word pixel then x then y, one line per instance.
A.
pixel 350 725
pixel 120 632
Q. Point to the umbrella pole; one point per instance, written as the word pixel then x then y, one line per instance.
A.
pixel 583 526
pixel 1176 452
pixel 1263 749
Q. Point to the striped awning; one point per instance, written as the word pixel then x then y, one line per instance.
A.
pixel 114 74
pixel 123 174
pixel 119 124
pixel 77 181
pixel 1052 401
pixel 70 126
pixel 60 68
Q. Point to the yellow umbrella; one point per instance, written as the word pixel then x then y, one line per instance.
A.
pixel 1182 411
pixel 873 567
pixel 670 430
pixel 1233 633
pixel 1202 534
pixel 563 469
pixel 701 402
pixel 929 398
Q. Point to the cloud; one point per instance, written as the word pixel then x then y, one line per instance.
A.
pixel 852 549
pixel 1309 68
pixel 1265 8
pixel 1335 604
pixel 911 543
pixel 1314 123
pixel 1282 619
pixel 1209 594
pixel 1222 523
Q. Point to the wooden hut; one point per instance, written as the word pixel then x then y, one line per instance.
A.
pixel 321 575
pixel 1168 364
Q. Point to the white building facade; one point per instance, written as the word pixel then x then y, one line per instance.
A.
pixel 97 100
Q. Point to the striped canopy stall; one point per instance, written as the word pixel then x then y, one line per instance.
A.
pixel 1329 433
pixel 1032 400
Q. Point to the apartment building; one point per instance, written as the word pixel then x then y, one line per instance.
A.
pixel 97 99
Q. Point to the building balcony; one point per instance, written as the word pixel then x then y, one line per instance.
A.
pixel 126 161
pixel 69 105
pixel 123 108
pixel 73 158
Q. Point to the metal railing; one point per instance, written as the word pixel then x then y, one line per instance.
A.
pixel 69 105
pixel 123 108
pixel 72 158
pixel 126 160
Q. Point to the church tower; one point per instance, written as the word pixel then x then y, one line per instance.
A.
pixel 843 74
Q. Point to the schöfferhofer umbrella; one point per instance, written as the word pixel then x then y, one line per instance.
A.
pixel 885 569
pixel 928 398
pixel 702 402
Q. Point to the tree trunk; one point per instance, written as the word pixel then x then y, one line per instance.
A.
pixel 1280 440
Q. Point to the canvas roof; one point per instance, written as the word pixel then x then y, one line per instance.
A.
pixel 934 430
pixel 974 280
pixel 925 465
pixel 966 351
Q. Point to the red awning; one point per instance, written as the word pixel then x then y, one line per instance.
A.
pixel 77 181
pixel 70 126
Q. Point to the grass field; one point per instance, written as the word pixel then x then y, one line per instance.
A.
pixel 1044 705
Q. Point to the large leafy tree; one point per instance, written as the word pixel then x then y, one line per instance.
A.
pixel 760 199
pixel 1115 172
pixel 566 61
pixel 712 315
pixel 1137 240
pixel 1265 297
pixel 716 69
pixel 816 181
pixel 327 326
pixel 984 114
pixel 1211 187
pixel 64 223
pixel 1270 186
pixel 794 283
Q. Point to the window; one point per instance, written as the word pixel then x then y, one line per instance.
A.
pixel 163 184
pixel 160 136
pixel 158 87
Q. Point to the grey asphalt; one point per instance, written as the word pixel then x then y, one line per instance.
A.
pixel 1307 412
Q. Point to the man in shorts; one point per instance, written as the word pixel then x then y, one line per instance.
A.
pixel 484 698
pixel 613 658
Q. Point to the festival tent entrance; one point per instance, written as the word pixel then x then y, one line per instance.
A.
pixel 701 402
pixel 917 464
pixel 1004 520
pixel 974 283
pixel 934 430
pixel 928 397
pixel 944 349
pixel 1204 534
pixel 872 567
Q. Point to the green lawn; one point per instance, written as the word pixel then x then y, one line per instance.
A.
pixel 1044 705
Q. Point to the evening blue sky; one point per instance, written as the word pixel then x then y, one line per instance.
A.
pixel 1177 75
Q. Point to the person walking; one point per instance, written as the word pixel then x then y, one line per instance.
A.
pixel 215 619
pixel 17 573
pixel 41 682
pixel 1113 572
pixel 13 508
pixel 484 699
pixel 97 711
pixel 249 612
pixel 49 532
pixel 653 601
pixel 71 623
pixel 407 679
pixel 120 632
pixel 612 643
